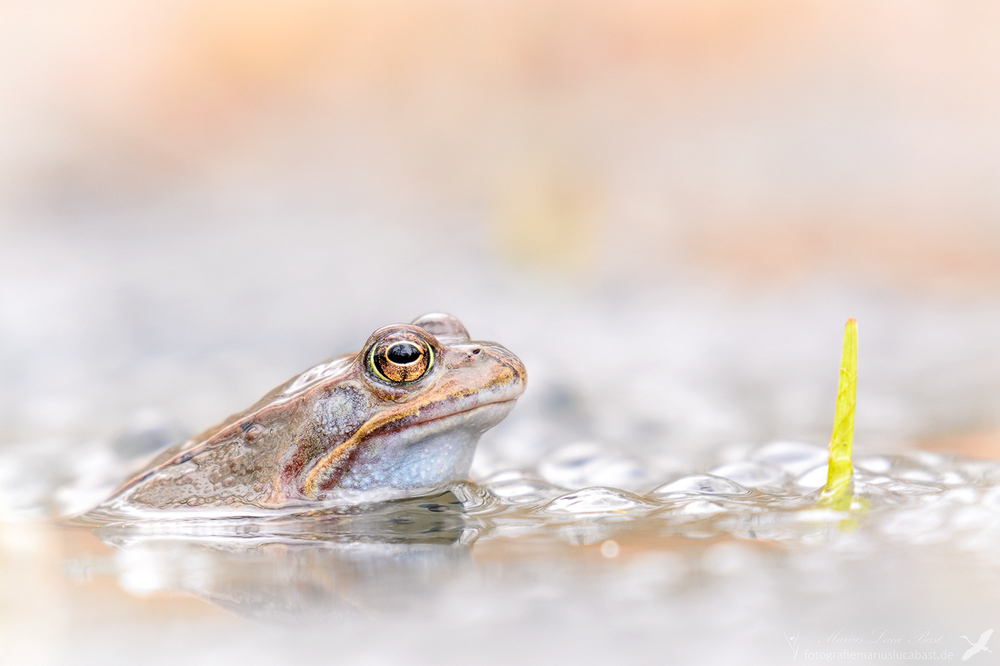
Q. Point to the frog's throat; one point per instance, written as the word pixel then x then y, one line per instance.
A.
pixel 334 462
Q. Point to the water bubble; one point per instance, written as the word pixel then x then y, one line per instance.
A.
pixel 928 459
pixel 516 487
pixel 920 467
pixel 877 493
pixel 701 484
pixel 595 500
pixel 472 497
pixel 874 464
pixel 979 471
pixel 818 516
pixel 795 458
pixel 953 478
pixel 909 487
pixel 961 496
pixel 702 508
pixel 506 475
pixel 753 475
pixel 917 475
pixel 585 464
pixel 814 478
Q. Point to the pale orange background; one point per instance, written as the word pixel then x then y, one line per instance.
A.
pixel 767 140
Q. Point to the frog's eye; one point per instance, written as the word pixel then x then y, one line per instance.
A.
pixel 399 360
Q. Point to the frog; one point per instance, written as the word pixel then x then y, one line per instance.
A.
pixel 402 415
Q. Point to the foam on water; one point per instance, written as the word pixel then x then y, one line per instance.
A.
pixel 751 555
pixel 920 497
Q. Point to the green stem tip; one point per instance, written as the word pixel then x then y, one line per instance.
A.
pixel 839 489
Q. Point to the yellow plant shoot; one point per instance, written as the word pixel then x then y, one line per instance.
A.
pixel 839 489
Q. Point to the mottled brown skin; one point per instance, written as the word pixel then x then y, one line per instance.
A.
pixel 403 414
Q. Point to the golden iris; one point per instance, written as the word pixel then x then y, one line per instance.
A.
pixel 401 359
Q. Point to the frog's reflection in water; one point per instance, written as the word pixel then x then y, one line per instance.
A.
pixel 317 565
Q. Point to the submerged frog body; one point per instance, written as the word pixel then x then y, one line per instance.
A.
pixel 404 413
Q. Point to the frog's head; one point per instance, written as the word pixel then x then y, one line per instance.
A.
pixel 431 392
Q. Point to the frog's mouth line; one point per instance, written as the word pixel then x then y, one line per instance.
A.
pixel 325 471
pixel 447 416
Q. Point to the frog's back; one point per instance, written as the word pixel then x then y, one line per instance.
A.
pixel 236 462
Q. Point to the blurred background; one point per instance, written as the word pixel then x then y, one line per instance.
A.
pixel 668 209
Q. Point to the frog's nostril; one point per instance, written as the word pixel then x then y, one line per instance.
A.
pixel 476 350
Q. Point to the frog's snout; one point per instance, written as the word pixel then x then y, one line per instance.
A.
pixel 509 368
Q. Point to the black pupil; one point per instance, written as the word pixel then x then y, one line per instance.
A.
pixel 403 354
